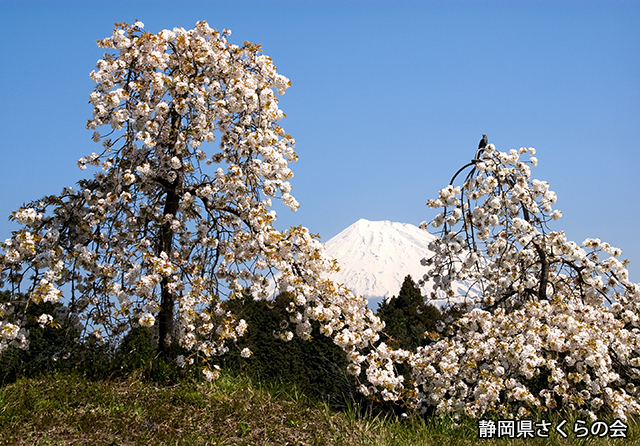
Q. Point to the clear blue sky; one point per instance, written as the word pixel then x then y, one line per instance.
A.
pixel 388 100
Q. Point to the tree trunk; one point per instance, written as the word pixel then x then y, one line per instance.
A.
pixel 167 302
pixel 165 244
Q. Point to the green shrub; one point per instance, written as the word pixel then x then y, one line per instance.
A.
pixel 50 346
pixel 317 366
pixel 407 317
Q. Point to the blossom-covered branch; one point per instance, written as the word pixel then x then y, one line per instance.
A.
pixel 178 217
pixel 551 323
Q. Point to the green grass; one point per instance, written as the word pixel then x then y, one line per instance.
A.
pixel 68 409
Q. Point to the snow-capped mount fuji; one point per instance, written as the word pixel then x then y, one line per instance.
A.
pixel 375 256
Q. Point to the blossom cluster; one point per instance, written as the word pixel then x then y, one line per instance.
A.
pixel 158 238
pixel 551 324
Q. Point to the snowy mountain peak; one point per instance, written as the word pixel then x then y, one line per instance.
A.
pixel 375 256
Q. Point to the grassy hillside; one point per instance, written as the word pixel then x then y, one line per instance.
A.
pixel 71 410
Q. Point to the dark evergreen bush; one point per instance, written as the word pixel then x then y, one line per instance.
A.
pixel 317 367
pixel 50 346
pixel 407 317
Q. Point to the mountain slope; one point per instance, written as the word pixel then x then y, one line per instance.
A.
pixel 375 256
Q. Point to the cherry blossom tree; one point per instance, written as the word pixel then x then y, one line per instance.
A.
pixel 551 324
pixel 177 216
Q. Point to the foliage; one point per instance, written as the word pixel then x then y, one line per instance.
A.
pixel 50 342
pixel 157 237
pixel 137 355
pixel 553 326
pixel 408 317
pixel 317 366
pixel 54 348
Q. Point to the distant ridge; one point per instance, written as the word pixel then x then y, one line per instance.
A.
pixel 375 256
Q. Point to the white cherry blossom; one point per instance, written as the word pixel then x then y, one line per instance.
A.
pixel 552 324
pixel 177 219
